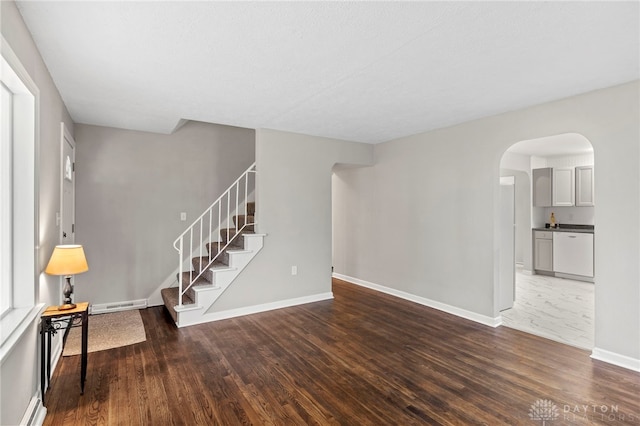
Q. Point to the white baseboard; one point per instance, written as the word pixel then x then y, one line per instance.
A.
pixel 616 359
pixel 463 313
pixel 36 412
pixel 232 313
pixel 127 305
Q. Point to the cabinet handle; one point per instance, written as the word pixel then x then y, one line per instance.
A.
pixel 571 236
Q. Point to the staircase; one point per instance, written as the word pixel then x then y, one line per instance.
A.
pixel 211 257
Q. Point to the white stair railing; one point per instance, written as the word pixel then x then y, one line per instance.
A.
pixel 191 242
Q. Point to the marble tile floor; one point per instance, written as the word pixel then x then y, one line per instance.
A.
pixel 555 308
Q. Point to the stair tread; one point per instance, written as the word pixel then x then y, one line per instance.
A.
pixel 222 268
pixel 208 286
pixel 206 260
pixel 170 297
pixel 237 249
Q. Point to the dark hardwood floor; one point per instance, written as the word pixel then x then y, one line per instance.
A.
pixel 364 358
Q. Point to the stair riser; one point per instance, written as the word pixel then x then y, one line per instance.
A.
pixel 206 277
pixel 223 278
pixel 191 294
pixel 232 235
pixel 238 259
pixel 224 257
pixel 198 264
pixel 168 303
pixel 214 248
pixel 253 242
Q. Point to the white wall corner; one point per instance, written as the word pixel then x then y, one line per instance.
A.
pixel 462 313
pixel 616 359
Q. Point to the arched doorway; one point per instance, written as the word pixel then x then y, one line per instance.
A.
pixel 553 176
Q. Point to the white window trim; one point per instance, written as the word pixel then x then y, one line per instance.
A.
pixel 6 190
pixel 26 269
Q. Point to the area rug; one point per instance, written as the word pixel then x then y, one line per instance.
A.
pixel 107 331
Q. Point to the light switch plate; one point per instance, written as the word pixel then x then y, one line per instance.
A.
pixel 183 216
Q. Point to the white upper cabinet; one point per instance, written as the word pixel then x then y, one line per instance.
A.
pixel 563 186
pixel 542 187
pixel 584 186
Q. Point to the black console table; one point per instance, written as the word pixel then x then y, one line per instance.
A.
pixel 52 320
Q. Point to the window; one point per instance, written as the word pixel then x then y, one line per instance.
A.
pixel 19 273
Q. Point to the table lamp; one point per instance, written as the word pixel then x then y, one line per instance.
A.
pixel 67 260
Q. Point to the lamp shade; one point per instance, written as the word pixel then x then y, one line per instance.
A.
pixel 67 260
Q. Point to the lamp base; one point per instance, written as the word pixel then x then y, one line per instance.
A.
pixel 66 306
pixel 66 292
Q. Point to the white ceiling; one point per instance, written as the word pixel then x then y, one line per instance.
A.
pixel 362 71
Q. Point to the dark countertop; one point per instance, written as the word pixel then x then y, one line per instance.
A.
pixel 585 229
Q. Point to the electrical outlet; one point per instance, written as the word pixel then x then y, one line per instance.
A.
pixel 294 270
pixel 183 216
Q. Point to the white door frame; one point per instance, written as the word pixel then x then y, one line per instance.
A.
pixel 507 273
pixel 67 168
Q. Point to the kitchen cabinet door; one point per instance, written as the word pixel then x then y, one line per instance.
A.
pixel 573 253
pixel 543 254
pixel 584 186
pixel 563 186
pixel 542 187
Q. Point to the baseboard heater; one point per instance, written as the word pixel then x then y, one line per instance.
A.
pixel 34 416
pixel 103 308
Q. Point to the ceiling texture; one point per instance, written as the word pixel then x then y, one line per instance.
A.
pixel 360 71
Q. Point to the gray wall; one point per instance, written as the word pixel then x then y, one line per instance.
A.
pixel 294 209
pixel 424 220
pixel 417 224
pixel 20 368
pixel 131 187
